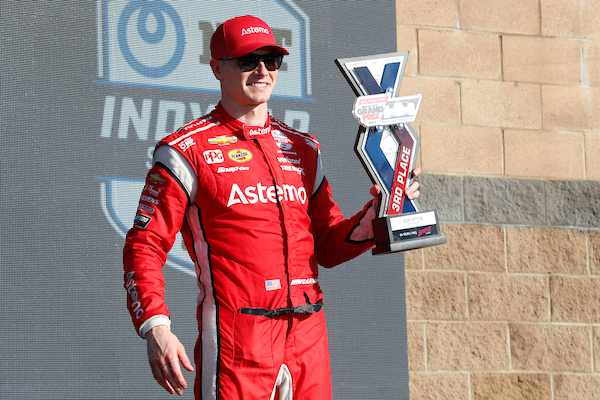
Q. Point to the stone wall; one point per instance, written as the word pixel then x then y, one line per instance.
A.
pixel 509 308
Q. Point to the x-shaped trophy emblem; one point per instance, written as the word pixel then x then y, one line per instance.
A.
pixel 387 147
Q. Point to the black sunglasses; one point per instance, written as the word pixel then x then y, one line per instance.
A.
pixel 250 61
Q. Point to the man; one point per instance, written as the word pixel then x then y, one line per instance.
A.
pixel 255 210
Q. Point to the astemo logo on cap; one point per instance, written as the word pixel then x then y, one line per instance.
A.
pixel 166 43
pixel 254 29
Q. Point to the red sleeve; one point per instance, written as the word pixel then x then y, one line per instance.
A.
pixel 337 239
pixel 159 217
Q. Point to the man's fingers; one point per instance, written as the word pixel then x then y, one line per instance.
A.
pixel 173 377
pixel 158 371
pixel 185 361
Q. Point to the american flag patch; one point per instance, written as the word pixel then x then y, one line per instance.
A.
pixel 272 285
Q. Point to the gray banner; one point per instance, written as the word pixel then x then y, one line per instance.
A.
pixel 84 99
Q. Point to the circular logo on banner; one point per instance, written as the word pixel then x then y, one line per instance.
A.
pixel 240 155
pixel 153 32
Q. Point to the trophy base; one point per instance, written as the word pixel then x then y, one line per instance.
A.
pixel 406 232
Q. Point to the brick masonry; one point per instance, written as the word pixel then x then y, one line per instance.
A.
pixel 509 124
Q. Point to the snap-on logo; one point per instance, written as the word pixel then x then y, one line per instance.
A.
pixel 264 194
pixel 240 155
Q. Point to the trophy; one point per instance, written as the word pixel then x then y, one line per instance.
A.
pixel 387 147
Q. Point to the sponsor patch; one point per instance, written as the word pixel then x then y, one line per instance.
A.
pixel 283 160
pixel 223 140
pixel 251 131
pixel 156 178
pixel 273 284
pixel 284 146
pixel 141 220
pixel 149 199
pixel 240 155
pixel 220 170
pixel 146 209
pixel 213 156
pixel 152 191
pixel 186 144
pixel 292 168
pixel 308 281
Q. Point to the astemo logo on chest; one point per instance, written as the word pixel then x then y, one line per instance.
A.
pixel 264 194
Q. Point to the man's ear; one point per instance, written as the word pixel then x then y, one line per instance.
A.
pixel 216 66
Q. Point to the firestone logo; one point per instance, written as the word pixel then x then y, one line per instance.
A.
pixel 254 29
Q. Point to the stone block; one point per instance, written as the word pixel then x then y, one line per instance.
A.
pixel 573 203
pixel 435 295
pixel 442 193
pixel 459 54
pixel 460 149
pixel 500 297
pixel 501 104
pixel 434 386
pixel 575 299
pixel 521 386
pixel 469 248
pixel 591 19
pixel 467 346
pixel 441 99
pixel 413 259
pixel 406 40
pixel 507 16
pixel 561 18
pixel 543 154
pixel 592 161
pixel 546 250
pixel 439 13
pixel 576 387
pixel 504 201
pixel 594 251
pixel 550 347
pixel 416 345
pixel 541 60
pixel 571 108
pixel 591 58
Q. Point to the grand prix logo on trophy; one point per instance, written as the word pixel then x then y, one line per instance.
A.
pixel 387 147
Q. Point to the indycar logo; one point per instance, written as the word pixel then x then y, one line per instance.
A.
pixel 240 155
pixel 223 140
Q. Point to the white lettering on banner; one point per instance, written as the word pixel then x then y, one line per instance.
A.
pixel 131 287
pixel 141 119
pixel 264 194
pixel 164 43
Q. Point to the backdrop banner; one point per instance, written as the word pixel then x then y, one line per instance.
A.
pixel 88 88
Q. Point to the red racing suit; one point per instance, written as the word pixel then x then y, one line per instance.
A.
pixel 256 215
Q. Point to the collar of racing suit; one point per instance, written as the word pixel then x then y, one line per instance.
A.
pixel 247 131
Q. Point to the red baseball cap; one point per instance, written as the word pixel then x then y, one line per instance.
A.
pixel 239 36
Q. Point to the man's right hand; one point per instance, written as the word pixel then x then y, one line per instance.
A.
pixel 165 352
